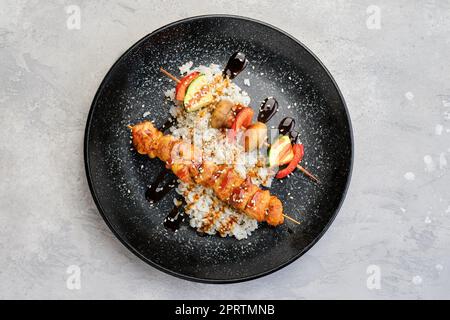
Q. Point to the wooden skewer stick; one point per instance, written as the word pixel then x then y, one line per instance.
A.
pixel 307 173
pixel 292 219
pixel 171 76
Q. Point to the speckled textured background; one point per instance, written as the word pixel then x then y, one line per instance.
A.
pixel 396 83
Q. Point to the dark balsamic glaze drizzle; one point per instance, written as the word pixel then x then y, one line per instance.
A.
pixel 286 125
pixel 236 64
pixel 175 217
pixel 170 122
pixel 294 136
pixel 155 192
pixel 267 109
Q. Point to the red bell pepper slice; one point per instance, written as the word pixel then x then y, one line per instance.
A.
pixel 243 120
pixel 298 156
pixel 180 90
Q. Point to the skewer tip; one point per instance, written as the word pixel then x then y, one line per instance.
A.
pixel 292 219
pixel 167 73
pixel 308 174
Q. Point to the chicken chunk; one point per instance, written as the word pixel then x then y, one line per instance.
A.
pixel 227 181
pixel 165 146
pixel 145 138
pixel 181 170
pixel 203 173
pixel 275 212
pixel 242 194
pixel 257 206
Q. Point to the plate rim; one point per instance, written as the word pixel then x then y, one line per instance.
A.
pixel 134 250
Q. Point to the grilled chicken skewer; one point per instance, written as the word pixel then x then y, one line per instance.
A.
pixel 186 163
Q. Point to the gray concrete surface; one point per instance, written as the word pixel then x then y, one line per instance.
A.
pixel 394 223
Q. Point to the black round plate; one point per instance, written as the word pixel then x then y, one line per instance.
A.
pixel 279 66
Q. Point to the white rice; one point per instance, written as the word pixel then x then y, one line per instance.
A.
pixel 170 94
pixel 210 215
pixel 206 212
pixel 186 68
